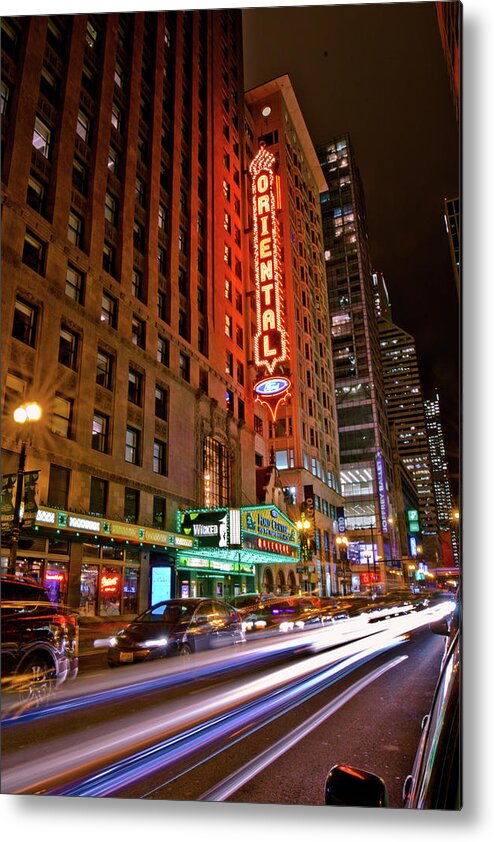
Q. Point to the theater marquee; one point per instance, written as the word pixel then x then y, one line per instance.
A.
pixel 270 341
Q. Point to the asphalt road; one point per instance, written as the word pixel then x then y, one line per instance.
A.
pixel 261 726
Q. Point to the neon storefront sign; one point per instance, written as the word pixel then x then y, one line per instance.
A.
pixel 110 584
pixel 54 577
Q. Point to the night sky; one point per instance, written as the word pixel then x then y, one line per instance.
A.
pixel 378 71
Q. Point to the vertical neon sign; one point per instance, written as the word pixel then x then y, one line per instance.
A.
pixel 270 341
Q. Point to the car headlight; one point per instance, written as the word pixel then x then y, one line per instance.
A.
pixel 112 641
pixel 160 641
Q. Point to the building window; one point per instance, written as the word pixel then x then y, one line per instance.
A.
pixel 161 218
pixel 74 284
pixel 104 369
pixel 160 457
pixel 159 512
pixel 25 322
pixel 228 326
pixel 140 192
pixel 138 332
pixel 161 403
pixel 109 310
pixel 240 373
pixel 99 439
pixel 79 177
pixel 98 496
pixel 184 367
pixel 161 260
pixel 239 302
pixel 132 445
pixel 35 196
pixel 162 305
pixel 131 505
pixel 227 255
pixel 61 422
pixel 33 254
pixel 229 363
pixel 108 258
pixel 182 281
pixel 239 336
pixel 241 410
pixel 41 138
pixel 183 324
pixel 229 401
pixel 116 118
pixel 182 241
pixel 118 75
pixel 228 289
pixel 113 161
pixel 110 208
pixel 163 352
pixel 258 425
pixel 82 126
pixel 138 237
pixel 58 487
pixel 4 98
pixel 67 349
pixel 216 473
pixel 75 229
pixel 137 284
pixel 135 387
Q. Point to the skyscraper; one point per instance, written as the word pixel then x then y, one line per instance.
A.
pixel 405 408
pixel 303 435
pixel 123 288
pixel 365 449
pixel 440 477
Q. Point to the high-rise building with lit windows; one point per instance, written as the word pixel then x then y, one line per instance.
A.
pixel 440 474
pixel 405 408
pixel 303 436
pixel 367 474
pixel 124 267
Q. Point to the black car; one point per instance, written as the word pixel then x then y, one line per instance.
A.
pixel 39 641
pixel 435 780
pixel 177 627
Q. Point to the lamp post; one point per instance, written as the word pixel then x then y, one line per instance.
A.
pixel 303 527
pixel 27 413
pixel 342 542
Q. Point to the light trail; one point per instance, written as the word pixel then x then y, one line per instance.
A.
pixel 181 730
pixel 233 782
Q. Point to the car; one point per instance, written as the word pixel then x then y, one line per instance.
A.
pixel 245 601
pixel 435 780
pixel 176 627
pixel 39 641
pixel 285 614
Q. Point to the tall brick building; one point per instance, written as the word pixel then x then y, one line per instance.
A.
pixel 124 316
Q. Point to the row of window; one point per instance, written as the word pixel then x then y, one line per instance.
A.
pixel 58 497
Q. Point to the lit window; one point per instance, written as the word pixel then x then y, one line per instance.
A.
pixel 74 284
pixel 82 126
pixel 41 137
pixel 61 417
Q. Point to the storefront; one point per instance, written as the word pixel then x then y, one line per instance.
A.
pixel 98 566
pixel 237 551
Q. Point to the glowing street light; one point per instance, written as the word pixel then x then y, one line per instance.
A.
pixel 27 413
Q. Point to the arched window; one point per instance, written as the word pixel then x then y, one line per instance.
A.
pixel 216 474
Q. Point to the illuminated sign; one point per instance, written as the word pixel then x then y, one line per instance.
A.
pixel 413 546
pixel 381 485
pixel 270 342
pixel 54 577
pixel 110 584
pixel 269 523
pixel 209 527
pixel 413 520
pixel 271 386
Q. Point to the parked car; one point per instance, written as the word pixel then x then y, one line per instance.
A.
pixel 435 780
pixel 39 641
pixel 176 627
pixel 245 601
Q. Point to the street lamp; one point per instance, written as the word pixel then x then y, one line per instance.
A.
pixel 342 542
pixel 27 413
pixel 303 527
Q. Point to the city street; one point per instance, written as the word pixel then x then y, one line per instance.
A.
pixel 261 723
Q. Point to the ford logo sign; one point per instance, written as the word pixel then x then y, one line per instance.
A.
pixel 270 386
